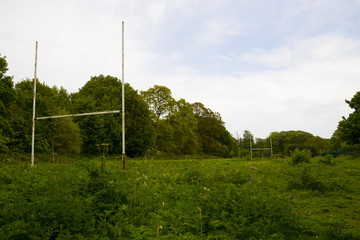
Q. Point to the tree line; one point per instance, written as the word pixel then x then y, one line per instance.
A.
pixel 156 123
pixel 345 139
pixel 282 143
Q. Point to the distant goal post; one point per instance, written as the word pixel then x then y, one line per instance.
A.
pixel 260 149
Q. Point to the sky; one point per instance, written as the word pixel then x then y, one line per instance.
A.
pixel 265 66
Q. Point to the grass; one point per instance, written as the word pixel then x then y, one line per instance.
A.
pixel 181 199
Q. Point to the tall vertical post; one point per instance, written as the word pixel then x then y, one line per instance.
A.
pixel 123 101
pixel 33 116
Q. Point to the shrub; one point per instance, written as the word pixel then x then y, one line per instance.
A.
pixel 336 231
pixel 304 179
pixel 302 156
pixel 277 156
pixel 327 159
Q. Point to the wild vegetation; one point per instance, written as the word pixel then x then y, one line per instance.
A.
pixel 181 199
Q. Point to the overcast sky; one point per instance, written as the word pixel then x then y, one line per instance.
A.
pixel 263 65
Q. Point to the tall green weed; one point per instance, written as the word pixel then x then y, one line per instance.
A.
pixel 213 199
pixel 302 156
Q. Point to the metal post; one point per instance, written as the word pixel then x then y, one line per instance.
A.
pixel 33 117
pixel 78 114
pixel 123 101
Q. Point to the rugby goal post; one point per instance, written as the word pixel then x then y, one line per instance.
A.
pixel 259 149
pixel 80 114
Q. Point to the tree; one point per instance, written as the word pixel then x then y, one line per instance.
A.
pixel 103 93
pixel 335 143
pixel 184 123
pixel 315 144
pixel 244 143
pixel 349 128
pixel 162 105
pixel 286 142
pixel 51 135
pixel 6 98
pixel 247 138
pixel 6 86
pixel 212 135
pixel 159 100
pixel 165 137
pixel 65 137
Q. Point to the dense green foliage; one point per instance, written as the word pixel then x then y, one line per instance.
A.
pixel 287 141
pixel 53 135
pixel 207 199
pixel 282 143
pixel 160 101
pixel 212 135
pixel 302 156
pixel 349 128
pixel 104 93
pixel 6 97
pixel 183 128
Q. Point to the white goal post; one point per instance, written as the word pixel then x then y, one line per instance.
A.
pixel 80 114
pixel 259 149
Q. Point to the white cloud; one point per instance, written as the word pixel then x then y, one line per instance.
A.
pixel 274 58
pixel 156 10
pixel 217 29
pixel 227 58
pixel 329 47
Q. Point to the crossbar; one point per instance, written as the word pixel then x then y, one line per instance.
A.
pixel 79 114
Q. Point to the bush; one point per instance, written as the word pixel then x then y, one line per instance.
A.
pixel 277 156
pixel 336 231
pixel 302 156
pixel 304 179
pixel 327 160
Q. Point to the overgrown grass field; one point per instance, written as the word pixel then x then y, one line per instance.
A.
pixel 181 199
